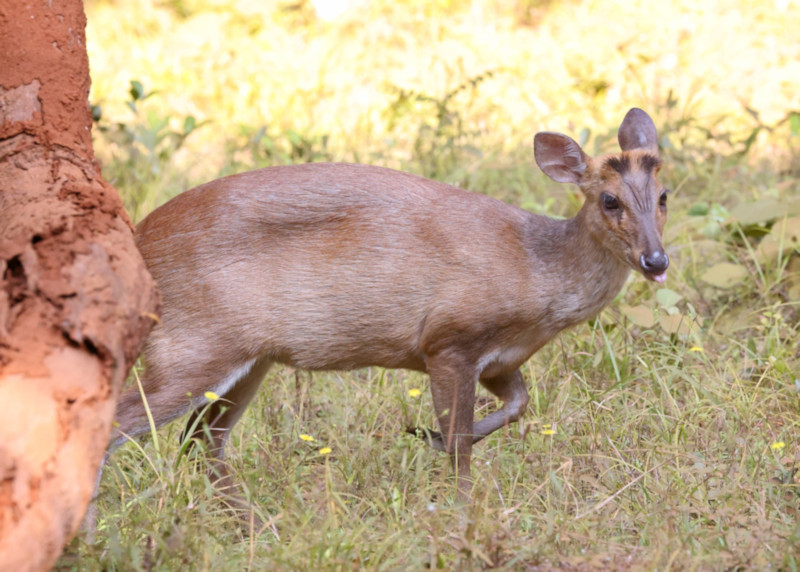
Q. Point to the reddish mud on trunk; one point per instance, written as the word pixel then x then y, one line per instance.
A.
pixel 76 300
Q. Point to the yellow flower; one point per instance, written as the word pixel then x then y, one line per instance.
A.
pixel 304 437
pixel 414 393
pixel 546 426
pixel 211 396
pixel 548 431
pixel 325 451
pixel 695 349
pixel 777 446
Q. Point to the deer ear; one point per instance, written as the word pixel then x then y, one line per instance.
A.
pixel 561 158
pixel 637 132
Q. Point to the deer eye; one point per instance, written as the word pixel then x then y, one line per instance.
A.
pixel 610 202
pixel 662 200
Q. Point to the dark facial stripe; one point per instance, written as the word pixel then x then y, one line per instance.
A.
pixel 621 164
pixel 649 163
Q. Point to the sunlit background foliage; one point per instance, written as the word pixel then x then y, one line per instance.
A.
pixel 663 435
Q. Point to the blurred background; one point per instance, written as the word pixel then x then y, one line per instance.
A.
pixel 447 88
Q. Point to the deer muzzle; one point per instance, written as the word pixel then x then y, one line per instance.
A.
pixel 654 265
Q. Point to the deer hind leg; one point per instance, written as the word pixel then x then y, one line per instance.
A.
pixel 510 389
pixel 213 422
pixel 166 398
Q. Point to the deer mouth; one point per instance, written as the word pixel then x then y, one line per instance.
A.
pixel 659 277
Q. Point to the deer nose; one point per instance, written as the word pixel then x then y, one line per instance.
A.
pixel 654 262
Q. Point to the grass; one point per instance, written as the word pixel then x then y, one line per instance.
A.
pixel 653 437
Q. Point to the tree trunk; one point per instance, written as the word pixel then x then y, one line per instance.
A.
pixel 75 298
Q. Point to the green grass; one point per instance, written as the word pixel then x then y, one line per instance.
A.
pixel 666 410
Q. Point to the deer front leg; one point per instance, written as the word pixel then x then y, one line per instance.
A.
pixel 510 389
pixel 453 389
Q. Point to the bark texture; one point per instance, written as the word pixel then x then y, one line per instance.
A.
pixel 75 298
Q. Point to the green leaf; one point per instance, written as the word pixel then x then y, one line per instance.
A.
pixel 137 90
pixel 699 208
pixel 788 231
pixel 724 275
pixel 711 229
pixel 667 298
pixel 639 315
pixel 583 136
pixel 768 249
pixel 719 213
pixel 189 124
pixel 783 237
pixel 675 324
pixel 757 212
pixel 794 124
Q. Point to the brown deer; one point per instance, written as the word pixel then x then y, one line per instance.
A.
pixel 334 266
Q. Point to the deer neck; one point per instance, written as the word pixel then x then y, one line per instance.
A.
pixel 583 274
